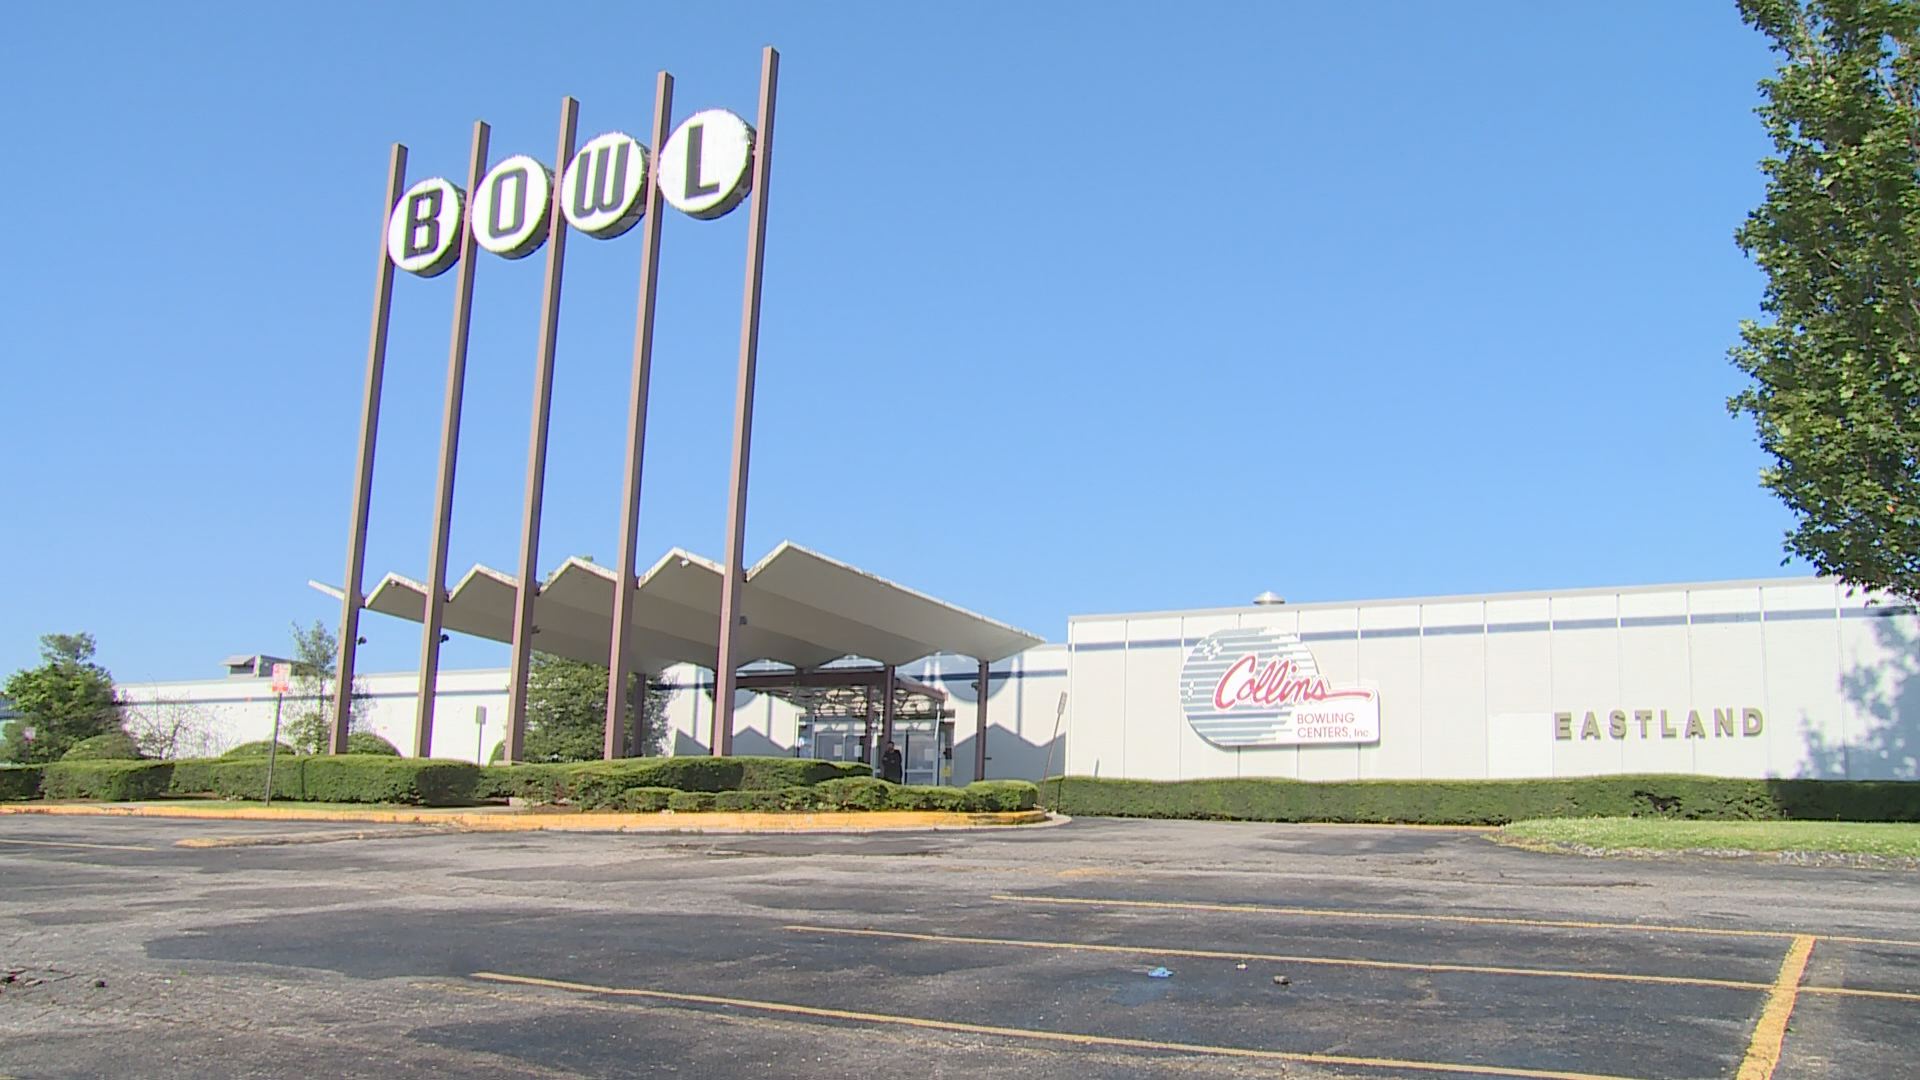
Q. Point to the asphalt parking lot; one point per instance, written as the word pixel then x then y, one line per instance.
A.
pixel 1292 950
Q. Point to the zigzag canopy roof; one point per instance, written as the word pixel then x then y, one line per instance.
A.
pixel 799 607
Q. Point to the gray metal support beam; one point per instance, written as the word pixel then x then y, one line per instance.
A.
pixel 980 728
pixel 529 578
pixel 734 583
pixel 627 586
pixel 353 600
pixel 431 625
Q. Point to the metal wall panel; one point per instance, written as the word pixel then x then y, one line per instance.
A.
pixel 1519 689
pixel 1800 655
pixel 1726 652
pixel 1453 690
pixel 1389 660
pixel 1333 634
pixel 1655 678
pixel 1585 646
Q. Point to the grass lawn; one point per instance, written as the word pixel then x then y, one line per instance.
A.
pixel 1891 839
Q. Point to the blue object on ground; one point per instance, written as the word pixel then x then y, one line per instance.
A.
pixel 1159 973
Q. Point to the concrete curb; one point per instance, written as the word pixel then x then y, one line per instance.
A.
pixel 514 821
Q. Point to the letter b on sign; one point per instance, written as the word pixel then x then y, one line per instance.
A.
pixel 423 233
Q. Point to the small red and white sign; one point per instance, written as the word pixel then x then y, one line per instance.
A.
pixel 282 678
pixel 1244 688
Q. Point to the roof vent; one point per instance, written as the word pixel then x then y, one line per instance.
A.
pixel 1269 599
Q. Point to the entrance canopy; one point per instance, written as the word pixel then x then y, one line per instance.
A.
pixel 799 608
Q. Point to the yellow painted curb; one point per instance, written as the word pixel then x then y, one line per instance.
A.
pixel 515 821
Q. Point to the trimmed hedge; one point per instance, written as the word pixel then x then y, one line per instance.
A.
pixel 19 782
pixel 643 800
pixel 258 748
pixel 239 778
pixel 866 793
pixel 1488 802
pixel 366 742
pixel 761 799
pixel 1003 795
pixel 598 784
pixel 685 801
pixel 915 797
pixel 113 746
pixel 853 793
pixel 768 773
pixel 344 778
pixel 376 778
pixel 111 781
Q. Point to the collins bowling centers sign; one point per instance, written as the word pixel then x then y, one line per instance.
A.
pixel 1242 688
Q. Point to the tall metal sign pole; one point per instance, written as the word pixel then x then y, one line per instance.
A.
pixel 352 599
pixel 523 628
pixel 980 728
pixel 449 449
pixel 619 663
pixel 734 583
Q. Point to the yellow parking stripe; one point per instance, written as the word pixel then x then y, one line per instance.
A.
pixel 1331 961
pixel 1475 920
pixel 76 844
pixel 1068 1037
pixel 1763 1050
pixel 1848 991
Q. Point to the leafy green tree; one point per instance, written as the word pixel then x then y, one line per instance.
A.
pixel 567 711
pixel 1835 397
pixel 66 699
pixel 309 719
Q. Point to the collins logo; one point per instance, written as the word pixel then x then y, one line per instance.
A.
pixel 1262 688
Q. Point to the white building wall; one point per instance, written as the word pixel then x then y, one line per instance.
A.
pixel 1470 687
pixel 1656 679
pixel 240 709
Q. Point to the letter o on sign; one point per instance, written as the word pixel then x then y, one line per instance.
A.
pixel 423 234
pixel 706 167
pixel 601 191
pixel 510 211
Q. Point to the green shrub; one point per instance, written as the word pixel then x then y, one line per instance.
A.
pixel 366 742
pixel 642 800
pixel 375 778
pixel 537 783
pixel 757 800
pixel 593 784
pixel 1002 796
pixel 915 797
pixel 690 801
pixel 1488 802
pixel 239 778
pixel 853 793
pixel 19 782
pixel 767 773
pixel 258 749
pixel 113 746
pixel 112 781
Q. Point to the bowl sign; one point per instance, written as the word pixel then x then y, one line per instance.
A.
pixel 1242 688
pixel 705 169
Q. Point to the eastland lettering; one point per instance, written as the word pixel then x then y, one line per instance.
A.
pixel 1619 724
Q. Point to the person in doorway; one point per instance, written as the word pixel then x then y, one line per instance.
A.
pixel 891 763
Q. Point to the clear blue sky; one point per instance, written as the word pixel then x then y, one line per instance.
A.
pixel 1070 307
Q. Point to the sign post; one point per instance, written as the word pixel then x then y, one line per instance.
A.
pixel 282 682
